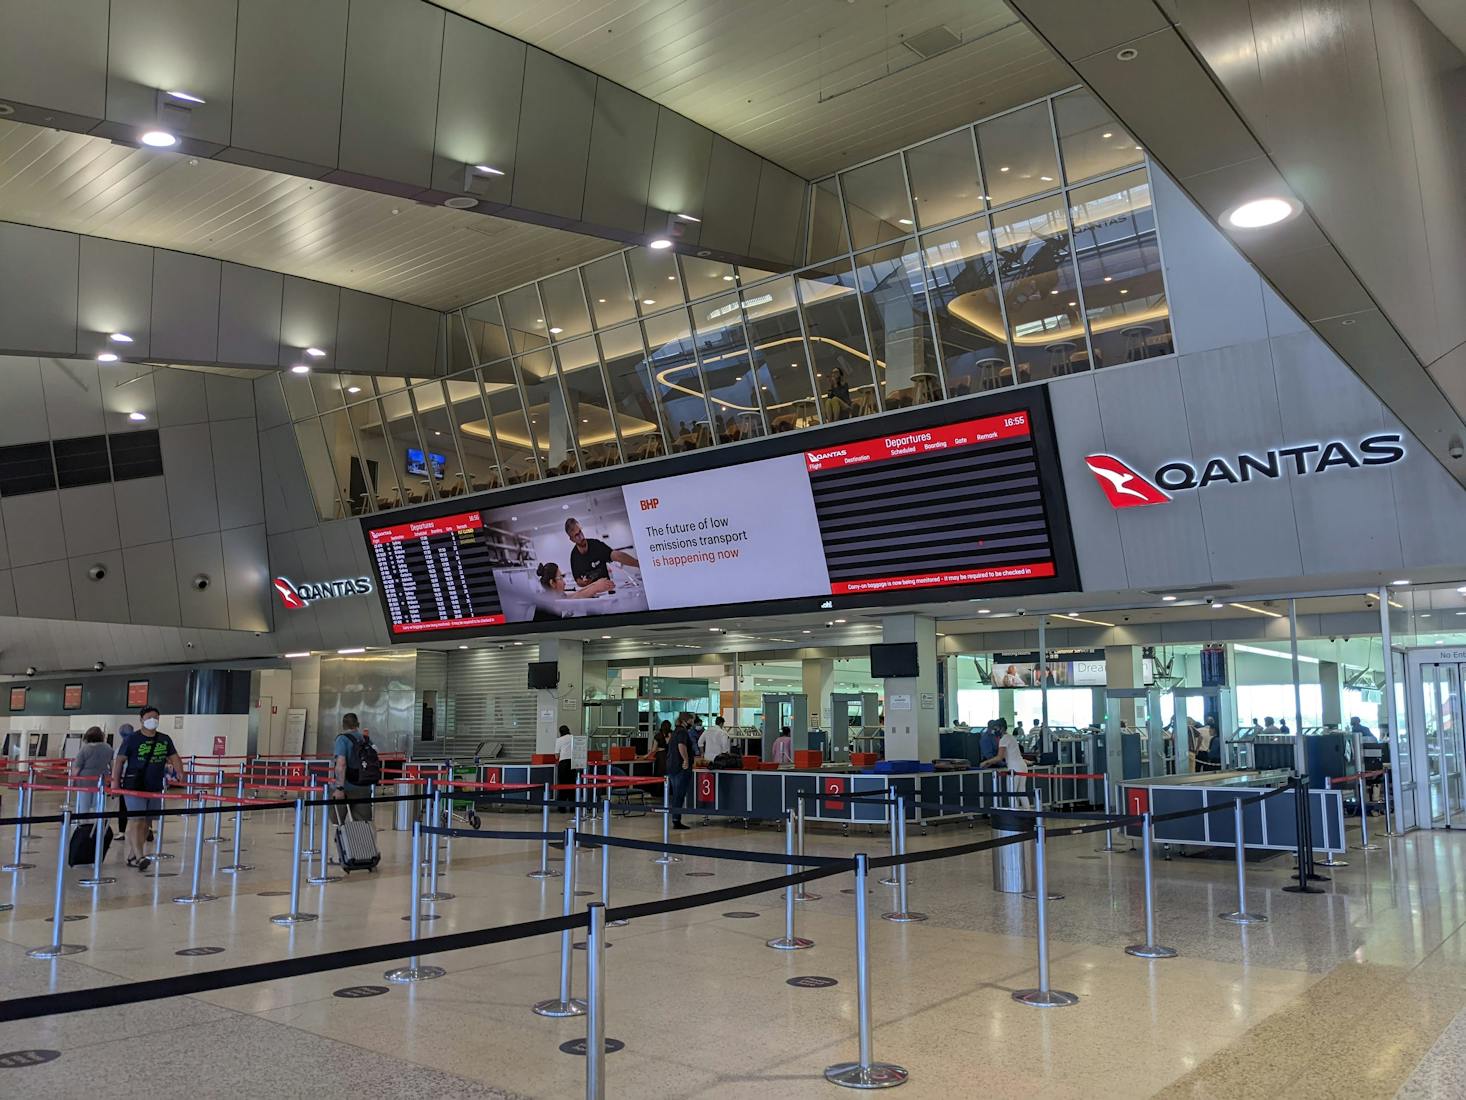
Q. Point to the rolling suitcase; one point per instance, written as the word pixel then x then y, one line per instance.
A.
pixel 356 846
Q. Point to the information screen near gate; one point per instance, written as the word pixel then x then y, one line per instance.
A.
pixel 971 499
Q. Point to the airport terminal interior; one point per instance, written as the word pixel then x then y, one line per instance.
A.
pixel 670 549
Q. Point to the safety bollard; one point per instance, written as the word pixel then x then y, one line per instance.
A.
pixel 323 876
pixel 564 1005
pixel 295 916
pixel 903 913
pixel 866 1073
pixel 667 857
pixel 1043 996
pixel 595 1001
pixel 1109 845
pixel 545 870
pixel 895 839
pixel 218 836
pixel 1364 845
pixel 235 867
pixel 1149 949
pixel 1038 812
pixel 1240 915
pixel 789 941
pixel 800 893
pixel 606 863
pixel 414 971
pixel 58 911
pixel 17 863
pixel 195 893
pixel 99 838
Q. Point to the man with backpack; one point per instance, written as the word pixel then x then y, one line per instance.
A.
pixel 358 767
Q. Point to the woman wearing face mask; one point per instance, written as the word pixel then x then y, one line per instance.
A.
pixel 146 756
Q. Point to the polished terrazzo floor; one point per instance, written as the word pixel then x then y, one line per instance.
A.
pixel 1358 992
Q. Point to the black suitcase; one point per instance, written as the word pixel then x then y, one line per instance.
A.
pixel 83 846
pixel 356 846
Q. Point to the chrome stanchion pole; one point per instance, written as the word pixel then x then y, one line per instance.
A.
pixel 295 916
pixel 195 893
pixel 789 941
pixel 544 870
pixel 1037 817
pixel 903 913
pixel 866 1073
pixel 1364 845
pixel 595 1000
pixel 58 910
pixel 414 971
pixel 891 880
pixel 1240 915
pixel 564 1005
pixel 667 857
pixel 800 893
pixel 1043 996
pixel 235 867
pixel 1149 949
pixel 606 863
pixel 22 812
pixel 323 876
pixel 99 834
pixel 218 837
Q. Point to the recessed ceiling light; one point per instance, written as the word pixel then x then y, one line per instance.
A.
pixel 315 353
pixel 187 97
pixel 120 338
pixel 1259 213
pixel 648 301
pixel 158 139
pixel 137 416
pixel 107 357
pixel 660 243
pixel 353 389
pixel 487 170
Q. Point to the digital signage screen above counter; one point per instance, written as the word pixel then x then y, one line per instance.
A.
pixel 954 501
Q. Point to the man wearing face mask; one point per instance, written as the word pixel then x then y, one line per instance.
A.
pixel 140 766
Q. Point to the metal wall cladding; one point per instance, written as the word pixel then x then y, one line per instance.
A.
pixel 490 697
pixel 379 688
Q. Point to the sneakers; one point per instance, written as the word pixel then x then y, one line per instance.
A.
pixel 144 863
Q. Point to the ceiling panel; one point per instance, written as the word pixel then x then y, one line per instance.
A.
pixel 814 85
pixel 428 255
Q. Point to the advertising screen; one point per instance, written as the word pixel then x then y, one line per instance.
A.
pixel 964 496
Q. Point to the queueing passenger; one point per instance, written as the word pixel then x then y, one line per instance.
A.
pixel 141 765
pixel 680 753
pixel 347 751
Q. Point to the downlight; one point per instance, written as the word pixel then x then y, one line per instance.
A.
pixel 1260 213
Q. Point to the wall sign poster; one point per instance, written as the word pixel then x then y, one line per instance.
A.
pixel 71 697
pixel 137 693
pixel 17 699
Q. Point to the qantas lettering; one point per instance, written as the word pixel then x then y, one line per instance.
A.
pixel 296 596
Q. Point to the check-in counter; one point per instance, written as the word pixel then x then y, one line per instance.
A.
pixel 1270 825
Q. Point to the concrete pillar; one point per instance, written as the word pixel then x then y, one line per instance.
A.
pixel 819 681
pixel 1124 668
pixel 1331 684
pixel 911 728
pixel 561 707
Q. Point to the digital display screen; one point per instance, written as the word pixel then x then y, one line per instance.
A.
pixel 417 463
pixel 71 697
pixel 924 511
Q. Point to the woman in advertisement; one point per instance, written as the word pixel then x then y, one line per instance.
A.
pixel 552 581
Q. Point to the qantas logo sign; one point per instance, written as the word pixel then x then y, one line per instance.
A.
pixel 1126 487
pixel 296 596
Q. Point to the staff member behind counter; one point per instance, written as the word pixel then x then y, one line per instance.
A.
pixel 591 559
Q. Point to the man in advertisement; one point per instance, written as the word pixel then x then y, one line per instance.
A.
pixel 590 559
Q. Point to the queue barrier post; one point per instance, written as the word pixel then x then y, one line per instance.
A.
pixel 99 838
pixel 58 910
pixel 800 893
pixel 295 916
pixel 1043 996
pixel 865 1073
pixel 606 863
pixel 903 913
pixel 414 971
pixel 1149 949
pixel 235 866
pixel 544 870
pixel 666 856
pixel 564 1005
pixel 1240 915
pixel 789 941
pixel 1364 844
pixel 196 895
pixel 17 863
pixel 595 998
pixel 1038 815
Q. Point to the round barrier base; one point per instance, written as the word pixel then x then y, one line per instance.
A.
pixel 16 866
pixel 438 895
pixel 904 918
pixel 105 880
pixel 877 1075
pixel 236 868
pixel 544 873
pixel 1238 917
pixel 659 859
pixel 194 899
pixel 790 943
pixel 1150 951
pixel 1045 998
pixel 292 918
pixel 54 950
pixel 1365 847
pixel 321 880
pixel 1032 895
pixel 405 974
pixel 557 1009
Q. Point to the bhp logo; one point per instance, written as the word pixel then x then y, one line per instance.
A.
pixel 649 504
pixel 1122 486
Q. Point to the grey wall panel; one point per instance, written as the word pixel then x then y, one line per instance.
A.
pixel 55 54
pixel 23 399
pixel 1232 408
pixel 33 530
pixel 38 288
pixel 229 398
pixel 249 315
pixel 115 295
pixel 362 332
pixel 188 469
pixel 1077 427
pixel 618 172
pixel 478 107
pixel 183 45
pixel 393 54
pixel 727 218
pixel 307 319
pixel 185 307
pixel 182 397
pixel 270 410
pixel 289 63
pixel 554 136
pixel 412 347
pixel 777 214
pixel 105 600
pixel 73 397
pixel 89 519
pixel 142 510
pixel 247 578
pixel 152 584
pixel 43 591
pixel 237 474
pixel 201 556
pixel 679 171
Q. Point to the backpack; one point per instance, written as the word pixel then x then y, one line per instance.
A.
pixel 368 770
